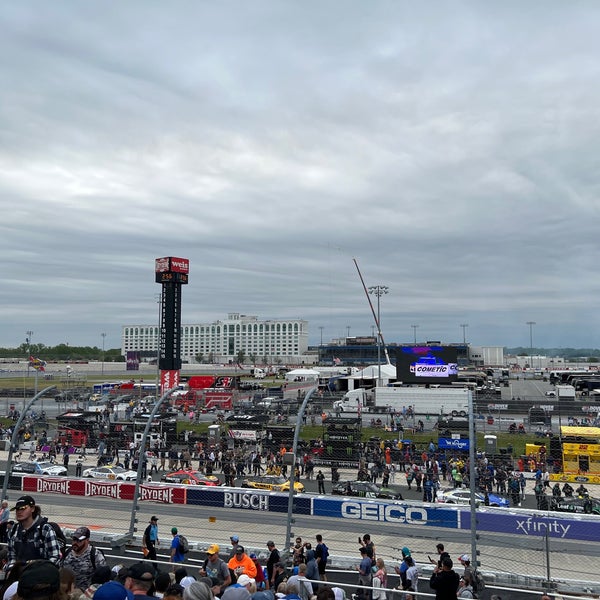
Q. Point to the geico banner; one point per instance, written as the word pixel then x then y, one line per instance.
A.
pixel 388 512
pixel 246 499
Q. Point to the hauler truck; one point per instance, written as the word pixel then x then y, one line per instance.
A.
pixel 424 401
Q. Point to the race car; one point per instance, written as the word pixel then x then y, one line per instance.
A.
pixel 110 472
pixel 463 496
pixel 589 506
pixel 190 478
pixel 274 483
pixel 365 489
pixel 40 468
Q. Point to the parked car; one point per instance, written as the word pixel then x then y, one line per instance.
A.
pixel 463 496
pixel 190 478
pixel 267 402
pixel 589 506
pixel 110 472
pixel 365 489
pixel 40 468
pixel 275 483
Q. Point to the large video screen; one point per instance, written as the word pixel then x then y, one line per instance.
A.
pixel 426 364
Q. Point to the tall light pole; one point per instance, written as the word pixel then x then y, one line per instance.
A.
pixel 531 324
pixel 321 328
pixel 29 335
pixel 379 290
pixel 415 333
pixel 347 331
pixel 464 327
pixel 103 338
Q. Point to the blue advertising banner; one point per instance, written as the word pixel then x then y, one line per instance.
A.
pixel 245 499
pixel 531 524
pixel 450 444
pixel 388 512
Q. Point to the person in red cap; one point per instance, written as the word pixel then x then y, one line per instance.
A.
pixel 83 558
pixel 32 537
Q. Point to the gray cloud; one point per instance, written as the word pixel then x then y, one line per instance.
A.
pixel 449 147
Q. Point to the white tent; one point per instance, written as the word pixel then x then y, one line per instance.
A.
pixel 388 372
pixel 302 375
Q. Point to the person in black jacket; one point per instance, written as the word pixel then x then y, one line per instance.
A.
pixel 444 581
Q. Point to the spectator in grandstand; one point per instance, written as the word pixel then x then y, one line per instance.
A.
pixel 241 563
pixel 139 580
pixel 40 579
pixel 40 541
pixel 444 580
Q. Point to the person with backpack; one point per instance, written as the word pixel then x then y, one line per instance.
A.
pixel 32 537
pixel 83 558
pixel 177 553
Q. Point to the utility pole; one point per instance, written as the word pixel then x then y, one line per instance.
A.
pixel 103 338
pixel 531 324
pixel 415 333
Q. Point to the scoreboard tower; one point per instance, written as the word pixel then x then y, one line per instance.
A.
pixel 171 272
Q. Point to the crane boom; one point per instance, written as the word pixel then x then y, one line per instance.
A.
pixel 387 356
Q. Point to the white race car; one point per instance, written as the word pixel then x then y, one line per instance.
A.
pixel 40 468
pixel 113 473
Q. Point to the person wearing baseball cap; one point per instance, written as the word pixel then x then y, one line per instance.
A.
pixel 83 558
pixel 235 540
pixel 33 537
pixel 140 578
pixel 241 563
pixel 39 579
pixel 177 556
pixel 150 539
pixel 216 569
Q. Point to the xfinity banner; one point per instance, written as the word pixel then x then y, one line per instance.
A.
pixel 452 444
pixel 534 525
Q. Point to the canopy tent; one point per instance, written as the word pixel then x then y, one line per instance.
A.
pixel 372 372
pixel 302 375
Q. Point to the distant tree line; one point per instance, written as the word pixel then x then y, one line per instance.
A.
pixel 62 352
pixel 569 354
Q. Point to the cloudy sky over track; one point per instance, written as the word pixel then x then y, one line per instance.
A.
pixel 450 147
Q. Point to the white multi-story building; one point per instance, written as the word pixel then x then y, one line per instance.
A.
pixel 221 341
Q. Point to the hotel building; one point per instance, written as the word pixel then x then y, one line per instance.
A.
pixel 272 340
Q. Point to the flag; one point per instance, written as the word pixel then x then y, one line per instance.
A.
pixel 37 363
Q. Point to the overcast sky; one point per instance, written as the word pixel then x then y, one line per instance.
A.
pixel 450 147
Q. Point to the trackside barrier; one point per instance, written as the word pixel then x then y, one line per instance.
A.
pixel 521 522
